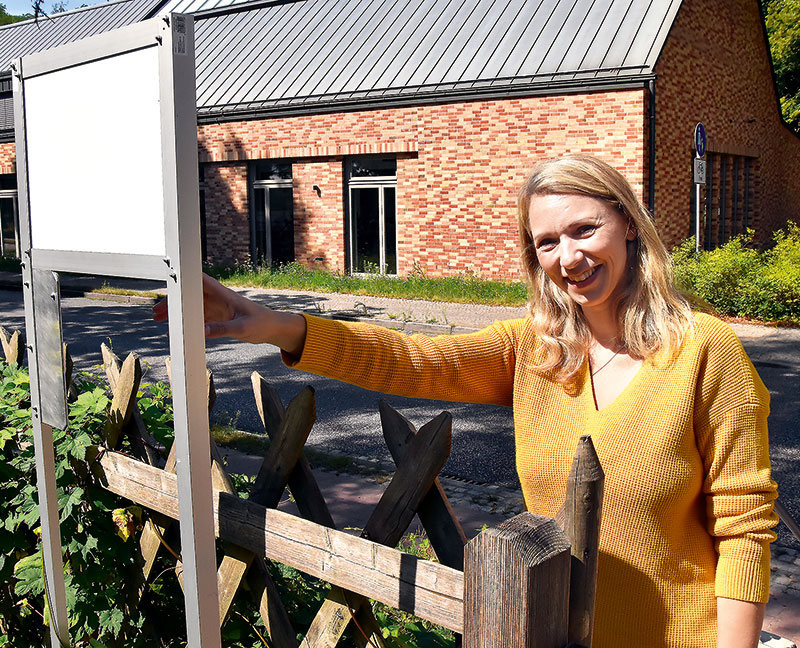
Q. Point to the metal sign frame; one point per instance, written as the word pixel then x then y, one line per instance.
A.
pixel 180 268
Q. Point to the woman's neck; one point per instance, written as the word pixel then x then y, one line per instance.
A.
pixel 604 327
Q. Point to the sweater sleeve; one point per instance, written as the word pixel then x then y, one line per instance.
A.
pixel 732 405
pixel 475 367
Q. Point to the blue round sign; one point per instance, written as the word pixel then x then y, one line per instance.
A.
pixel 700 139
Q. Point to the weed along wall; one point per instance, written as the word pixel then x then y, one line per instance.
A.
pixel 117 465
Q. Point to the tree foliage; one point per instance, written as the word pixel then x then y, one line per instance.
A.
pixel 783 30
pixel 6 18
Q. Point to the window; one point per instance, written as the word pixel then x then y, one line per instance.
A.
pixel 271 213
pixel 9 216
pixel 727 198
pixel 372 222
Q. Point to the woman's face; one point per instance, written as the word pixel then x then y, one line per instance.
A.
pixel 580 243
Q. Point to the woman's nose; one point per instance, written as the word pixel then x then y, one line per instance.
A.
pixel 571 254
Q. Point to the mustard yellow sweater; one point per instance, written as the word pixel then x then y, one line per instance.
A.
pixel 688 495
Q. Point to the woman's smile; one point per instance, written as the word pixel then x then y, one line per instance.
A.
pixel 582 279
pixel 581 244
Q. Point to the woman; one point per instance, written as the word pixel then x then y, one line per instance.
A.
pixel 676 410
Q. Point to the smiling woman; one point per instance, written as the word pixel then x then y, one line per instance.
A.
pixel 675 409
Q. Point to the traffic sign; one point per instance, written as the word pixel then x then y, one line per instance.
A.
pixel 699 171
pixel 700 140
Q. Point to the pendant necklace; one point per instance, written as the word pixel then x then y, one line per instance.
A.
pixel 604 365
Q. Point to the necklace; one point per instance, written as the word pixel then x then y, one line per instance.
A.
pixel 605 364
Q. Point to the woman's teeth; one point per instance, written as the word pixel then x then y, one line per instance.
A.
pixel 584 276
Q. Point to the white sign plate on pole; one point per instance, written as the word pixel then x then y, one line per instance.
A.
pixel 699 171
pixel 106 136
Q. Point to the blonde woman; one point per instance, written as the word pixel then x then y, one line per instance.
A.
pixel 610 348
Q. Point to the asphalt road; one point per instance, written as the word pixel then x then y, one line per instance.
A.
pixel 347 417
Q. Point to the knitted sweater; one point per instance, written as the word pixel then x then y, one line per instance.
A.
pixel 688 497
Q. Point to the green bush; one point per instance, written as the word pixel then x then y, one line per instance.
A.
pixel 741 281
pixel 98 564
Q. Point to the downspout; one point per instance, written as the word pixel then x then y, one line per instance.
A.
pixel 651 165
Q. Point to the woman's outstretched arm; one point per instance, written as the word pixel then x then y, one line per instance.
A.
pixel 738 623
pixel 229 314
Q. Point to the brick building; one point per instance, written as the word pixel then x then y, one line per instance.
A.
pixel 365 135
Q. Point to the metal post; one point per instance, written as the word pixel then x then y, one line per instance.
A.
pixel 697 219
pixel 187 339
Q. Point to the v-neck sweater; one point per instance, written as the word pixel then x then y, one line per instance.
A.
pixel 688 496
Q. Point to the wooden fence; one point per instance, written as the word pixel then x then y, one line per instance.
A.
pixel 528 582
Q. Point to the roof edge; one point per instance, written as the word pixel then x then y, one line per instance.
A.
pixel 219 114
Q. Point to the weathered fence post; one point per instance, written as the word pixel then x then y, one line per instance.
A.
pixel 516 585
pixel 580 520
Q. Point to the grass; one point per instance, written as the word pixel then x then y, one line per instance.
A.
pixel 106 289
pixel 465 288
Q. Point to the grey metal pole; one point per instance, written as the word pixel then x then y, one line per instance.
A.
pixel 187 336
pixel 52 560
pixel 697 219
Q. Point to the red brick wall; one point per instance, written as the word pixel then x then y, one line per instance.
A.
pixel 715 69
pixel 227 220
pixel 318 221
pixel 8 158
pixel 459 168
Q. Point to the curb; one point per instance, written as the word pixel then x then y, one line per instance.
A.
pixel 87 293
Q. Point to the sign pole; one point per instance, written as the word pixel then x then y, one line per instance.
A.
pixel 699 177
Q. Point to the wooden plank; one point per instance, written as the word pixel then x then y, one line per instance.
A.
pixel 423 458
pixel 302 483
pixel 333 617
pixel 236 563
pixel 145 446
pixel 435 512
pixel 285 450
pixel 426 454
pixel 124 400
pixel 580 520
pixel 516 585
pixel 428 589
pixel 12 346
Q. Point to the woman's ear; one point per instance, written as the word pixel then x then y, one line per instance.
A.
pixel 631 233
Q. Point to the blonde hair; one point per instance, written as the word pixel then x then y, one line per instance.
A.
pixel 654 315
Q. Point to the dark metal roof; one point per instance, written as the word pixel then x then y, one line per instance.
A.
pixel 279 56
pixel 19 39
pixel 313 54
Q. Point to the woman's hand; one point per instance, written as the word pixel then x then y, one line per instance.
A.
pixel 228 314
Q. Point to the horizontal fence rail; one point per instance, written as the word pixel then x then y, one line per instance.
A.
pixel 428 589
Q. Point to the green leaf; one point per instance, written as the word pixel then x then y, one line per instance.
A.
pixel 111 621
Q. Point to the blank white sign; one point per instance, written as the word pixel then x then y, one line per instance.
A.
pixel 94 156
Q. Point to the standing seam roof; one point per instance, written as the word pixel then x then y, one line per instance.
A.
pixel 328 52
pixel 274 56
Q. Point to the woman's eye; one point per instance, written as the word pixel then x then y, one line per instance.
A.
pixel 586 229
pixel 545 244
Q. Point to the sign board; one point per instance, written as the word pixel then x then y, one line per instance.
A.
pixel 106 135
pixel 699 171
pixel 700 141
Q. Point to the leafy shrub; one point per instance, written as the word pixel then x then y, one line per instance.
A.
pixel 738 280
pixel 98 564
